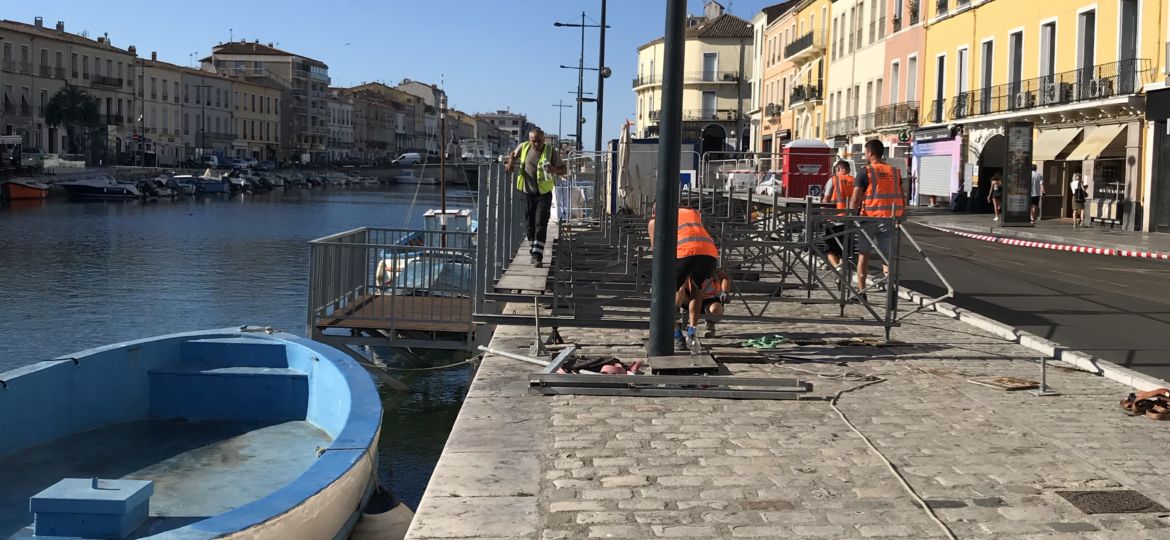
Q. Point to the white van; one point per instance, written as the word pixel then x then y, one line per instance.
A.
pixel 209 160
pixel 407 159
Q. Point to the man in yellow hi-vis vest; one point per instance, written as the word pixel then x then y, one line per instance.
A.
pixel 535 178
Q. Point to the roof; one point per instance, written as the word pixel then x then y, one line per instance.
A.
pixel 52 33
pixel 723 26
pixel 773 12
pixel 254 48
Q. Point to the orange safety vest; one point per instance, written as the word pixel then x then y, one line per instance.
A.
pixel 711 289
pixel 884 192
pixel 692 237
pixel 842 191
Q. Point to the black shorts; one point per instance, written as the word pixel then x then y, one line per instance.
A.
pixel 1035 201
pixel 834 246
pixel 707 304
pixel 698 268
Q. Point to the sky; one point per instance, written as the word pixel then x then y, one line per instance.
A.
pixel 488 54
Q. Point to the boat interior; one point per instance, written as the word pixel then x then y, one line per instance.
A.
pixel 217 422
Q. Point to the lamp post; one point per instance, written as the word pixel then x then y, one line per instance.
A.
pixel 581 68
pixel 560 105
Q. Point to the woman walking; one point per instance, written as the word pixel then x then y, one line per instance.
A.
pixel 996 195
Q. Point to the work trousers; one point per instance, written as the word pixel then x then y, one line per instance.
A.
pixel 536 214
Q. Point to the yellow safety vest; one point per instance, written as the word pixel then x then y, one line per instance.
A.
pixel 544 182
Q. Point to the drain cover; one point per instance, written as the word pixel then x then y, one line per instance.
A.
pixel 1111 502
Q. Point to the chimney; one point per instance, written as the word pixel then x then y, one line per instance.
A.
pixel 39 22
pixel 269 44
pixel 712 10
pixel 154 55
pixel 132 50
pixel 60 26
pixel 101 39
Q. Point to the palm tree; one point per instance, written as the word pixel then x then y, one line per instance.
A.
pixel 73 107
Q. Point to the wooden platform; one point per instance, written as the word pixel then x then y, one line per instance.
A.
pixel 521 275
pixel 416 313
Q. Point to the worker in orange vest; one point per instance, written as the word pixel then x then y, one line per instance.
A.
pixel 839 190
pixel 877 192
pixel 696 259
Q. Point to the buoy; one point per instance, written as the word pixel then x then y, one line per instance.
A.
pixel 384 518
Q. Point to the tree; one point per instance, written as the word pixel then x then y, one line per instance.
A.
pixel 74 108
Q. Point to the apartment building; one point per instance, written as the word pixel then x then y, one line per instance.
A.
pixel 428 115
pixel 1074 71
pixel 406 117
pixel 515 125
pixel 341 144
pixel 903 71
pixel 207 114
pixel 256 118
pixel 374 124
pixel 159 118
pixel 857 60
pixel 305 123
pixel 777 120
pixel 716 94
pixel 756 117
pixel 36 62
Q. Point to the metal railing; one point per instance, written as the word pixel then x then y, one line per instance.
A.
pixel 645 80
pixel 800 44
pixel 46 71
pixel 898 114
pixel 392 280
pixel 711 76
pixel 723 115
pixel 803 93
pixel 1101 81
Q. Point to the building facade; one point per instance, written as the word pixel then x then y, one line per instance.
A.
pixel 304 112
pixel 1075 71
pixel 716 93
pixel 208 128
pixel 515 125
pixel 341 143
pixel 777 121
pixel 256 123
pixel 856 78
pixel 903 72
pixel 161 113
pixel 36 62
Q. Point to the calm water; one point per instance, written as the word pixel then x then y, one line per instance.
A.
pixel 79 275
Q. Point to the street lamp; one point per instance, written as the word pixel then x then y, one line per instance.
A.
pixel 581 66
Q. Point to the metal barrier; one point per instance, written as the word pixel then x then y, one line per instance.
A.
pixel 395 282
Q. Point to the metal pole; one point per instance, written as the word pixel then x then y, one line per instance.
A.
pixel 600 80
pixel 580 80
pixel 739 101
pixel 443 173
pixel 662 307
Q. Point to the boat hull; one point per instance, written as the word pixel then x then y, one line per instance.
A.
pixel 101 193
pixel 214 187
pixel 16 191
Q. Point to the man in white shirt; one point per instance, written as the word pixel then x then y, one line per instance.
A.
pixel 1037 192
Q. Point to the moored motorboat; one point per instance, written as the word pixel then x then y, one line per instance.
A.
pixel 20 189
pixel 101 187
pixel 243 433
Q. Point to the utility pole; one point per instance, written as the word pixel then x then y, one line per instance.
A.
pixel 560 105
pixel 580 80
pixel 662 305
pixel 601 75
pixel 739 100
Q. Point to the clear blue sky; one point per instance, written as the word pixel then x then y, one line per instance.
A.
pixel 492 54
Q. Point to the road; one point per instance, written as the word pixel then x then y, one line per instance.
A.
pixel 1115 308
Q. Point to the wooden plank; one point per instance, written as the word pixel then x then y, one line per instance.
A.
pixel 422 313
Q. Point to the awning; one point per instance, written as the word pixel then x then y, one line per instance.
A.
pixel 1051 142
pixel 1097 139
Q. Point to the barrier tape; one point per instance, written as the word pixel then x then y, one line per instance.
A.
pixel 1156 255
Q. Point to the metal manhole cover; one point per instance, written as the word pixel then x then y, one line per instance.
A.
pixel 1124 501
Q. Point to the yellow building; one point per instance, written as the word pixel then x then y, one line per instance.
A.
pixel 804 45
pixel 716 96
pixel 1076 69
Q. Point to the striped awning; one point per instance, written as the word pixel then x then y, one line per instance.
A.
pixel 1051 142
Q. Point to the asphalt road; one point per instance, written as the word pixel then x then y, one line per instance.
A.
pixel 1115 308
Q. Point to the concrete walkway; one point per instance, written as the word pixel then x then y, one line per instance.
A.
pixel 1056 231
pixel 990 463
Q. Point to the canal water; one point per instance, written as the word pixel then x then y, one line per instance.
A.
pixel 78 275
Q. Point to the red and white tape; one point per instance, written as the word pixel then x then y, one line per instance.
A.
pixel 1058 247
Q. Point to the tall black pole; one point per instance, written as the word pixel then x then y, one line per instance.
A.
pixel 580 80
pixel 662 307
pixel 739 101
pixel 600 80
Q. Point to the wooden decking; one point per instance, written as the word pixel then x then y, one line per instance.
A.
pixel 521 275
pixel 412 313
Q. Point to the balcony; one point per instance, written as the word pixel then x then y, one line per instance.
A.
pixel 896 115
pixel 25 67
pixel 711 76
pixel 1103 81
pixel 654 115
pixel 773 109
pixel 805 94
pixel 842 127
pixel 646 80
pixel 110 82
pixel 59 73
pixel 805 48
pixel 710 115
pixel 45 71
pixel 114 119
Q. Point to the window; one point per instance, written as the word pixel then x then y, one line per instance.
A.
pixel 60 64
pixel 176 96
pixel 84 66
pixel 877 93
pixel 153 88
pixel 1086 40
pixel 986 76
pixel 1015 60
pixel 186 124
pixel 894 81
pixel 44 64
pixel 1048 49
pixel 939 87
pixel 253 102
pixel 237 96
pixel 911 78
pixel 73 65
pixel 110 68
pixel 165 94
pixel 833 50
pixel 961 72
pixel 873 21
pixel 97 66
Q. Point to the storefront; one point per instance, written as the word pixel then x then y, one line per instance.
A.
pixel 1157 187
pixel 937 153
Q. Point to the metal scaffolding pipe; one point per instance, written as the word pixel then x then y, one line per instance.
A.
pixel 662 306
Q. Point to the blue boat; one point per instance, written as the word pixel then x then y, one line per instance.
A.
pixel 234 432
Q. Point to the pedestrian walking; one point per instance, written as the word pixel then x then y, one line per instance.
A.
pixel 1080 195
pixel 877 192
pixel 995 196
pixel 839 191
pixel 539 163
pixel 1037 192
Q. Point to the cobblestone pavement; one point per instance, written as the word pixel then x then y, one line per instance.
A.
pixel 990 463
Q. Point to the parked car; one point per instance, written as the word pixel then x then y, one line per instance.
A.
pixel 264 165
pixel 407 159
pixel 209 161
